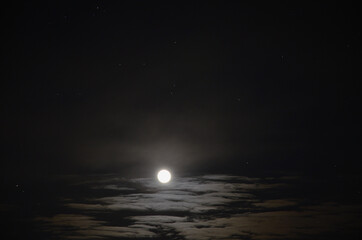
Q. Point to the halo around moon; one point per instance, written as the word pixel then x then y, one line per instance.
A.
pixel 164 176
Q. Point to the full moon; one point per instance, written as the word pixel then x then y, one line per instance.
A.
pixel 164 176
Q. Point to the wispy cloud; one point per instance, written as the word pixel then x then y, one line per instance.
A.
pixel 73 226
pixel 205 207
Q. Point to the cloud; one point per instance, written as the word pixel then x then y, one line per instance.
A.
pixel 192 195
pixel 276 203
pixel 86 227
pixel 202 208
pixel 71 220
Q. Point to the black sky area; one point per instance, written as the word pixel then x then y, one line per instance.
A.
pixel 198 87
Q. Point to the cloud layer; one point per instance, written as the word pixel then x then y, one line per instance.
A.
pixel 204 207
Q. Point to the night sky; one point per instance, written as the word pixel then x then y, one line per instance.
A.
pixel 248 104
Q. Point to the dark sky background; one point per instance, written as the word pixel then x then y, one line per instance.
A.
pixel 254 108
pixel 198 87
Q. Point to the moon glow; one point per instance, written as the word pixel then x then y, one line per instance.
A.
pixel 164 176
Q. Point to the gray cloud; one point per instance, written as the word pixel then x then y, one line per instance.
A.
pixel 202 208
pixel 86 227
